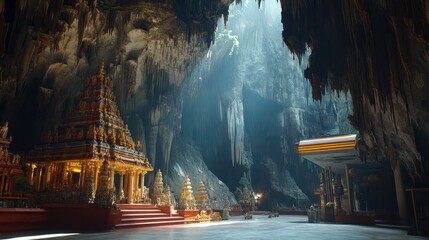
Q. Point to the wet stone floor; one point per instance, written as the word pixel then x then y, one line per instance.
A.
pixel 260 227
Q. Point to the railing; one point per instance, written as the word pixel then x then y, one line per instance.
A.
pixel 16 201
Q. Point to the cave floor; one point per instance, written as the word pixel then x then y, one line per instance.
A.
pixel 260 227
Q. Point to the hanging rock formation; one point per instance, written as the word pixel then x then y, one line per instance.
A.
pixel 149 47
pixel 379 51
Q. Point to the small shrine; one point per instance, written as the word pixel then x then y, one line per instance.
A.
pixel 72 156
pixel 201 197
pixel 158 189
pixel 246 201
pixel 10 165
pixel 187 199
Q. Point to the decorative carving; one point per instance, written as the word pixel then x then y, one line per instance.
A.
pixel 103 196
pixel 139 146
pixel 3 130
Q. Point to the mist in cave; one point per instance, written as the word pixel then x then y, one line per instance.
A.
pixel 246 105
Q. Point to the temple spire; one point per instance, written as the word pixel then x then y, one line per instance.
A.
pixel 101 70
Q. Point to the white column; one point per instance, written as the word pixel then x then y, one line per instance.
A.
pixel 142 182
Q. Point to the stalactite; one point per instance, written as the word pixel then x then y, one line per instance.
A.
pixel 236 131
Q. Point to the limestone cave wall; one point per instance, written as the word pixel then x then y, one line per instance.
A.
pixel 379 51
pixel 49 48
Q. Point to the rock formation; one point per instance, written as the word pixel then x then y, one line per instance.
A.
pixel 378 50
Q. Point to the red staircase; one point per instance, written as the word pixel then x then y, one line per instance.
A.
pixel 145 215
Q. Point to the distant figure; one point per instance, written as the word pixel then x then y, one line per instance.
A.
pixel 3 130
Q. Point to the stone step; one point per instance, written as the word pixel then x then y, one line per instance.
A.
pixel 136 206
pixel 145 215
pixel 148 224
pixel 158 214
pixel 151 219
pixel 140 210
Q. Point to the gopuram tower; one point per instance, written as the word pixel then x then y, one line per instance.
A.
pixel 72 155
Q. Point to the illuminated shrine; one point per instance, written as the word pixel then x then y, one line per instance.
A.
pixel 349 190
pixel 10 165
pixel 72 156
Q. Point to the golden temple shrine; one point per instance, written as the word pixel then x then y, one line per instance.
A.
pixel 72 156
pixel 10 164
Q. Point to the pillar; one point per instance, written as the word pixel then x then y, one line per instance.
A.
pixel 64 174
pixel 47 176
pixel 130 187
pixel 126 177
pixel 142 183
pixel 136 180
pixel 6 186
pixel 54 175
pixel 121 183
pixel 44 180
pixel 112 178
pixel 82 175
pixel 38 176
pixel 2 183
pixel 31 174
pixel 96 178
pixel 400 194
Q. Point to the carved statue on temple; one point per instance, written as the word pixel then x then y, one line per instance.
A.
pixel 111 135
pixel 2 152
pixel 68 134
pixel 101 135
pixel 16 159
pixel 3 130
pixel 91 133
pixel 121 138
pixel 139 146
pixel 80 135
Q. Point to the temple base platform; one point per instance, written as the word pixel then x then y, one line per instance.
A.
pixel 87 217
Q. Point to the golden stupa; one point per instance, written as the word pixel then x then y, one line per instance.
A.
pixel 93 133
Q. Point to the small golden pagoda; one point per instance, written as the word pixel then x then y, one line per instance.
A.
pixel 187 200
pixel 10 164
pixel 167 197
pixel 158 189
pixel 202 198
pixel 93 133
pixel 246 200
